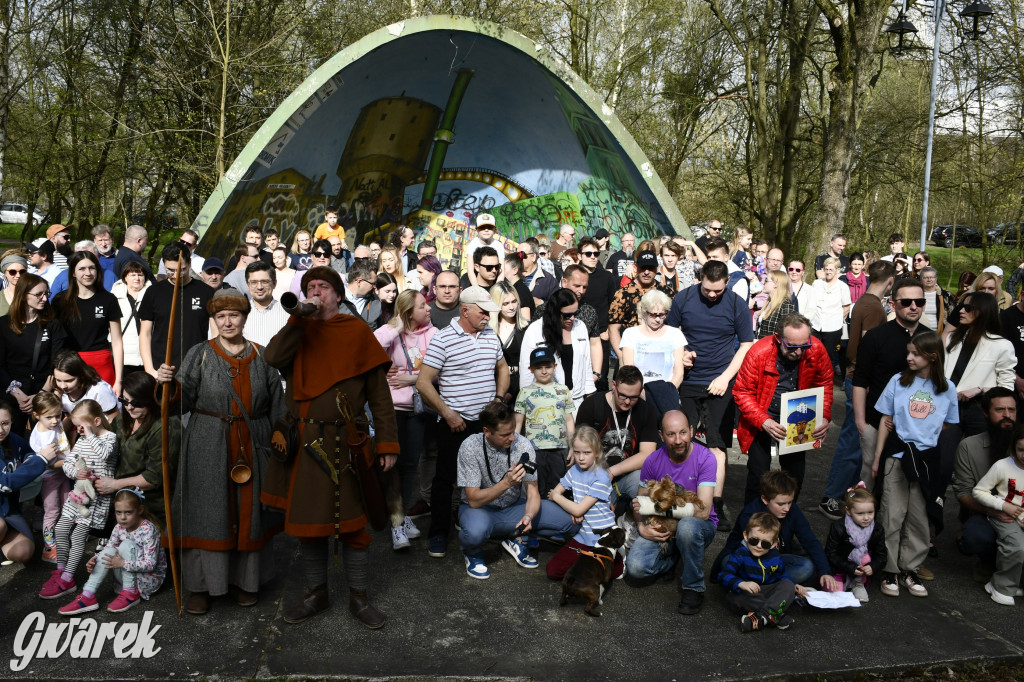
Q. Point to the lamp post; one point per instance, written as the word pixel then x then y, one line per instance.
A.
pixel 973 13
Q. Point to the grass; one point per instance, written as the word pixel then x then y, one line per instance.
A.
pixel 951 262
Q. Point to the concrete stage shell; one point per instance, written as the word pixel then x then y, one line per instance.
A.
pixel 429 122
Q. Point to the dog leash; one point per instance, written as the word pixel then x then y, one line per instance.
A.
pixel 600 557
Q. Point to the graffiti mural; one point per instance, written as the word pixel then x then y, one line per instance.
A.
pixel 429 122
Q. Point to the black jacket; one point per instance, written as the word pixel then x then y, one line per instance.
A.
pixel 838 547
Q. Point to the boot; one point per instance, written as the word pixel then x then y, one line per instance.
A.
pixel 316 601
pixel 363 610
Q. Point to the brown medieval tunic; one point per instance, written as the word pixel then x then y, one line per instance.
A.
pixel 318 359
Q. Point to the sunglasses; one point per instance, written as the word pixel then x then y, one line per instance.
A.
pixel 133 403
pixel 589 254
pixel 800 346
pixel 968 308
pixel 760 542
pixel 907 302
pixel 568 316
pixel 320 254
pixel 491 268
pixel 795 269
pixel 14 272
pixel 919 260
pixel 657 316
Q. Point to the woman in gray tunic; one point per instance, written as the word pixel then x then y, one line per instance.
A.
pixel 234 397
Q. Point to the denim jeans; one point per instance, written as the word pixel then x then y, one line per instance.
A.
pixel 128 552
pixel 693 537
pixel 625 487
pixel 799 568
pixel 846 459
pixel 978 538
pixel 482 523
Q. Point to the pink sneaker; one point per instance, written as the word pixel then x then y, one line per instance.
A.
pixel 81 604
pixel 124 601
pixel 55 587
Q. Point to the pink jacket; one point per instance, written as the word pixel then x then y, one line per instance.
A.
pixel 417 340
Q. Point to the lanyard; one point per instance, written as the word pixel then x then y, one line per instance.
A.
pixel 619 433
pixel 487 461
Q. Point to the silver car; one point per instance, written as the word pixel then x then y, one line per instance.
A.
pixel 18 214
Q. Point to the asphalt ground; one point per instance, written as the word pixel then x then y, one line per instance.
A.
pixel 443 624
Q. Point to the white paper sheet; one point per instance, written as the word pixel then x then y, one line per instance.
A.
pixel 831 600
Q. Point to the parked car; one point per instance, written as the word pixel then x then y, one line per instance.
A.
pixel 17 214
pixel 942 235
pixel 169 219
pixel 1007 233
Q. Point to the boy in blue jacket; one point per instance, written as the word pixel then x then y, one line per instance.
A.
pixel 777 492
pixel 756 578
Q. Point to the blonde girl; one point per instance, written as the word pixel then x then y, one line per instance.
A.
pixel 780 304
pixel 47 438
pixel 739 249
pixel 391 263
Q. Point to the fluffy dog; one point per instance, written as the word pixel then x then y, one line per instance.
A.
pixel 666 494
pixel 589 577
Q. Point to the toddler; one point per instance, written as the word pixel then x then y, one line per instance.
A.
pixel 46 411
pixel 856 543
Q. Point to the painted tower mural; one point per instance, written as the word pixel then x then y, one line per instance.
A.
pixel 429 122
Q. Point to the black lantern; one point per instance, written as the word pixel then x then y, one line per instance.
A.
pixel 972 14
pixel 900 34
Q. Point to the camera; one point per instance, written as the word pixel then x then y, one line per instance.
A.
pixel 529 466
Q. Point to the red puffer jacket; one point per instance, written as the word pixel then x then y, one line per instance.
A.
pixel 759 375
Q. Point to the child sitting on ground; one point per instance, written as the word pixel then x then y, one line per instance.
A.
pixel 778 490
pixel 591 488
pixel 856 543
pixel 1002 478
pixel 756 578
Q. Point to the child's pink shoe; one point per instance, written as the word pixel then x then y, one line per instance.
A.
pixel 124 601
pixel 81 604
pixel 56 587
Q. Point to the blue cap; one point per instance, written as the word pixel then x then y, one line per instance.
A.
pixel 541 355
pixel 213 264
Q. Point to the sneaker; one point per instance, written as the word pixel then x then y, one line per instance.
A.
pixel 419 509
pixel 475 567
pixel 690 602
pixel 782 621
pixel 831 508
pixel 56 587
pixel 124 601
pixel 890 586
pixel 81 604
pixel 520 553
pixel 399 540
pixel 49 553
pixel 437 546
pixel 913 584
pixel 924 574
pixel 997 596
pixel 860 592
pixel 752 621
pixel 411 531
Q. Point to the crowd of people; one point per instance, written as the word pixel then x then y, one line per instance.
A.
pixel 540 395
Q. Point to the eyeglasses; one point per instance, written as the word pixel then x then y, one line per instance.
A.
pixel 40 294
pixel 320 254
pixel 627 398
pixel 796 346
pixel 759 542
pixel 259 282
pixel 657 316
pixel 795 269
pixel 908 302
pixel 490 268
pixel 133 403
pixel 14 272
pixel 589 254
pixel 568 316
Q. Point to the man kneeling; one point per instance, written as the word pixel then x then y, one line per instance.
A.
pixel 692 466
pixel 500 499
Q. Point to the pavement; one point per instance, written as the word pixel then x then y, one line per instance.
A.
pixel 443 624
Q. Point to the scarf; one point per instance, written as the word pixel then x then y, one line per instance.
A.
pixel 332 351
pixel 859 537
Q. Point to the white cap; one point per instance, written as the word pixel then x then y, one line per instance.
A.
pixel 995 270
pixel 484 219
pixel 479 296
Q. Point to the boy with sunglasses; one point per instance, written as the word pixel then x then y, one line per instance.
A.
pixel 756 578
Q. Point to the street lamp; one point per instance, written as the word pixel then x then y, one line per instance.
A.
pixel 971 14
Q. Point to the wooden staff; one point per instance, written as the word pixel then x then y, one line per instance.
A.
pixel 165 443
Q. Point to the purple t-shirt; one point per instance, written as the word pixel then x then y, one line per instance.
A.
pixel 699 469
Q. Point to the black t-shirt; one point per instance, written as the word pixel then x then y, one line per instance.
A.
pixel 525 297
pixel 617 265
pixel 881 354
pixel 1012 320
pixel 441 318
pixel 193 325
pixel 844 262
pixel 17 351
pixel 89 332
pixel 643 425
pixel 600 292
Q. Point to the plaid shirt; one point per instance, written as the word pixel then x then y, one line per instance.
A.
pixel 766 326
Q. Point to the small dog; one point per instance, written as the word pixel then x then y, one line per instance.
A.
pixel 589 577
pixel 666 494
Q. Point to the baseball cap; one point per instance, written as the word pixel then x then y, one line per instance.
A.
pixel 647 261
pixel 479 296
pixel 601 234
pixel 54 230
pixel 213 264
pixel 484 219
pixel 995 270
pixel 541 355
pixel 31 247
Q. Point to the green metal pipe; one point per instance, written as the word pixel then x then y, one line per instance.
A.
pixel 444 136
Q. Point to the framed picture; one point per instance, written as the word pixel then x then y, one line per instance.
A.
pixel 801 413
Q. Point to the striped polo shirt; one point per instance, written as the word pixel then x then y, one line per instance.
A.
pixel 465 367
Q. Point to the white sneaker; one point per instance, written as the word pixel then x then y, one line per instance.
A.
pixel 399 540
pixel 411 531
pixel 860 592
pixel 997 596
